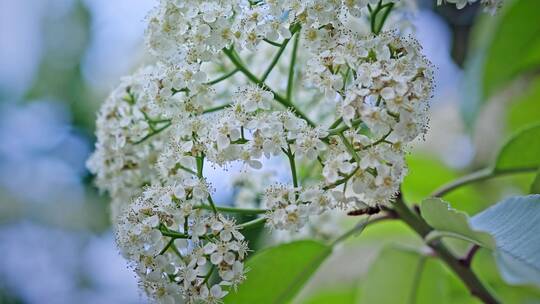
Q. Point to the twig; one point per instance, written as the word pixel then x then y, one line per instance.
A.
pixel 232 209
pixel 282 100
pixel 467 259
pixel 477 176
pixel 469 278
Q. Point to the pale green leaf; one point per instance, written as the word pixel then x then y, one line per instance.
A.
pixel 426 173
pixel 502 48
pixel 524 110
pixel 452 223
pixel 515 225
pixel 334 296
pixel 277 274
pixel 404 276
pixel 521 152
pixel 515 45
pixel 535 187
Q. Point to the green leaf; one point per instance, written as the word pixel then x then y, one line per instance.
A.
pixel 521 152
pixel 502 48
pixel 523 111
pixel 334 296
pixel 277 274
pixel 404 276
pixel 535 187
pixel 514 223
pixel 427 173
pixel 515 46
pixel 452 223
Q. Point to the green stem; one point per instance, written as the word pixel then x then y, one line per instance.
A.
pixel 350 148
pixel 292 164
pixel 343 180
pixel 376 28
pixel 373 15
pixel 467 276
pixel 275 60
pixel 252 224
pixel 171 241
pixel 157 131
pixel 388 7
pixel 212 205
pixel 200 167
pixel 282 100
pixel 233 209
pixel 336 131
pixel 272 42
pixel 231 54
pixel 174 234
pixel 477 176
pixel 336 123
pixel 207 276
pixel 186 169
pixel 290 81
pixel 216 108
pixel 220 79
pixel 380 140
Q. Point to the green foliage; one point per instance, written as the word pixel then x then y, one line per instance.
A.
pixel 405 276
pixel 277 274
pixel 492 60
pixel 509 228
pixel 450 222
pixel 485 266
pixel 516 32
pixel 521 152
pixel 427 173
pixel 525 110
pixel 514 225
pixel 335 296
pixel 535 187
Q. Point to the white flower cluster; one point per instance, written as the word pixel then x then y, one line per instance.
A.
pixel 175 247
pixel 490 6
pixel 381 86
pixel 160 126
pixel 290 208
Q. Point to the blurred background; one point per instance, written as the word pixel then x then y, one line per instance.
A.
pixel 58 61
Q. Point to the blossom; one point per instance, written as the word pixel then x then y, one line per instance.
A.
pixel 490 6
pixel 172 245
pixel 163 124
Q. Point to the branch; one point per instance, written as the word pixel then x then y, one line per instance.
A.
pixel 275 60
pixel 292 164
pixel 216 108
pixel 232 209
pixel 477 176
pixel 252 224
pixel 282 100
pixel 291 68
pixel 467 259
pixel 224 77
pixel 467 276
pixel 155 132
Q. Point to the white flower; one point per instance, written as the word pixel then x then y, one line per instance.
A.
pixel 336 164
pixel 253 98
pixel 144 234
pixel 194 108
